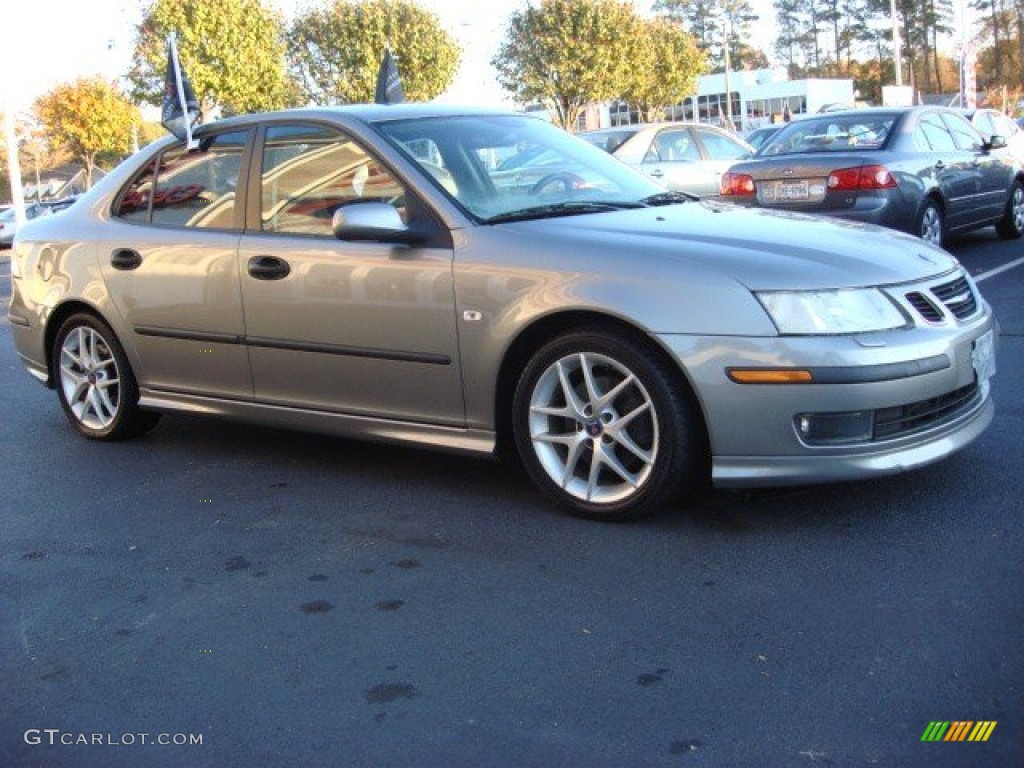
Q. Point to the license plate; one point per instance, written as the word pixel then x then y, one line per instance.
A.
pixel 983 356
pixel 788 191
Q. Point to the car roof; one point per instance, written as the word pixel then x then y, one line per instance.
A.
pixel 638 127
pixel 364 113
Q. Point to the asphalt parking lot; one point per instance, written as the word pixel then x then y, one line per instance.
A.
pixel 294 600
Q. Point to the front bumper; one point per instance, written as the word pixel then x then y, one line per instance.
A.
pixel 754 430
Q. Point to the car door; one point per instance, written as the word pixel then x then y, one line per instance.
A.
pixel 672 161
pixel 719 153
pixel 951 168
pixel 362 328
pixel 990 169
pixel 169 260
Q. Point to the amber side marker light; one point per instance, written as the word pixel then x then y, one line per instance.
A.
pixel 769 376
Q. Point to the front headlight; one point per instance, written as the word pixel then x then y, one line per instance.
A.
pixel 811 313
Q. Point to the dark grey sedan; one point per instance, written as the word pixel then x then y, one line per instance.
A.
pixel 922 170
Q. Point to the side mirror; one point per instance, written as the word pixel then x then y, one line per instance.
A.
pixel 996 142
pixel 373 222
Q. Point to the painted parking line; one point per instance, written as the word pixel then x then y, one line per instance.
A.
pixel 999 270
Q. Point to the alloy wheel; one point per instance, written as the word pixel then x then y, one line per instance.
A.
pixel 89 378
pixel 593 427
pixel 931 225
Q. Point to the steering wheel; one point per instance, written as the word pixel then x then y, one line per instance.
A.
pixel 565 178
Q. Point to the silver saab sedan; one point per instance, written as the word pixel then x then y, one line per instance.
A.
pixel 358 271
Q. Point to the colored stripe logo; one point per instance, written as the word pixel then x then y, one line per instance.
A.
pixel 958 730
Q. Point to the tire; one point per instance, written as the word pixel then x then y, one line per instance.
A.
pixel 95 383
pixel 597 393
pixel 1011 226
pixel 930 224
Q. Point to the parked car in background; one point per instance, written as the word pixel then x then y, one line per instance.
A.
pixel 310 269
pixel 684 157
pixel 992 122
pixel 53 206
pixel 9 225
pixel 759 136
pixel 922 170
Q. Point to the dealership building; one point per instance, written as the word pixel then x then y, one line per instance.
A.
pixel 759 97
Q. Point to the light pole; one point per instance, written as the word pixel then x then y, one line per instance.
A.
pixel 727 31
pixel 897 54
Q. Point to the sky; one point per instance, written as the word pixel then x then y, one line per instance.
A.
pixel 59 41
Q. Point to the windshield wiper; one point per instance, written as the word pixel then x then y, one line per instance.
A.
pixel 563 209
pixel 668 198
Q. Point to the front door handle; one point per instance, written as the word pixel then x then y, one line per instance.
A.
pixel 125 259
pixel 268 268
pixel 656 174
pixel 939 165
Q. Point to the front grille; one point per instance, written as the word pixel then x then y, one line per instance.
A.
pixel 913 417
pixel 924 306
pixel 956 297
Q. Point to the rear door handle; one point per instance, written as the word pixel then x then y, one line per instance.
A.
pixel 939 165
pixel 268 268
pixel 125 259
pixel 656 174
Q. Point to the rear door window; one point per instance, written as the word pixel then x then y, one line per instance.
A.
pixel 184 188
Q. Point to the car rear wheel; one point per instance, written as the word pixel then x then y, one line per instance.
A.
pixel 1011 226
pixel 95 383
pixel 602 426
pixel 930 225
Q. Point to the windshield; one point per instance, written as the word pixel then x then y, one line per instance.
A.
pixel 837 132
pixel 510 166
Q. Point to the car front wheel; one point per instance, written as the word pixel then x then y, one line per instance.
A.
pixel 95 383
pixel 602 426
pixel 1011 226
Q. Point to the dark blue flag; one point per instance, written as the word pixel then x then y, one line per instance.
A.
pixel 180 111
pixel 389 84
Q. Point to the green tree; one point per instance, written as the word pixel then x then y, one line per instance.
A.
pixel 708 20
pixel 567 54
pixel 232 50
pixel 88 117
pixel 334 51
pixel 666 69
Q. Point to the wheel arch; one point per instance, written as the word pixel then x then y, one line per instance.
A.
pixel 53 324
pixel 542 330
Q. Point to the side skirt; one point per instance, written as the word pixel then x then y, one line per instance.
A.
pixel 452 439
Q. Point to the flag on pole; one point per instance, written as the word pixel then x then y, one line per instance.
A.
pixel 389 84
pixel 180 112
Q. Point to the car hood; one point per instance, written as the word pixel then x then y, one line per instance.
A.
pixel 763 250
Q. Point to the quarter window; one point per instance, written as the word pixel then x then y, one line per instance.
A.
pixel 309 172
pixel 188 189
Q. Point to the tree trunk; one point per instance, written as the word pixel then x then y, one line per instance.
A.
pixel 90 163
pixel 1020 38
pixel 997 55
